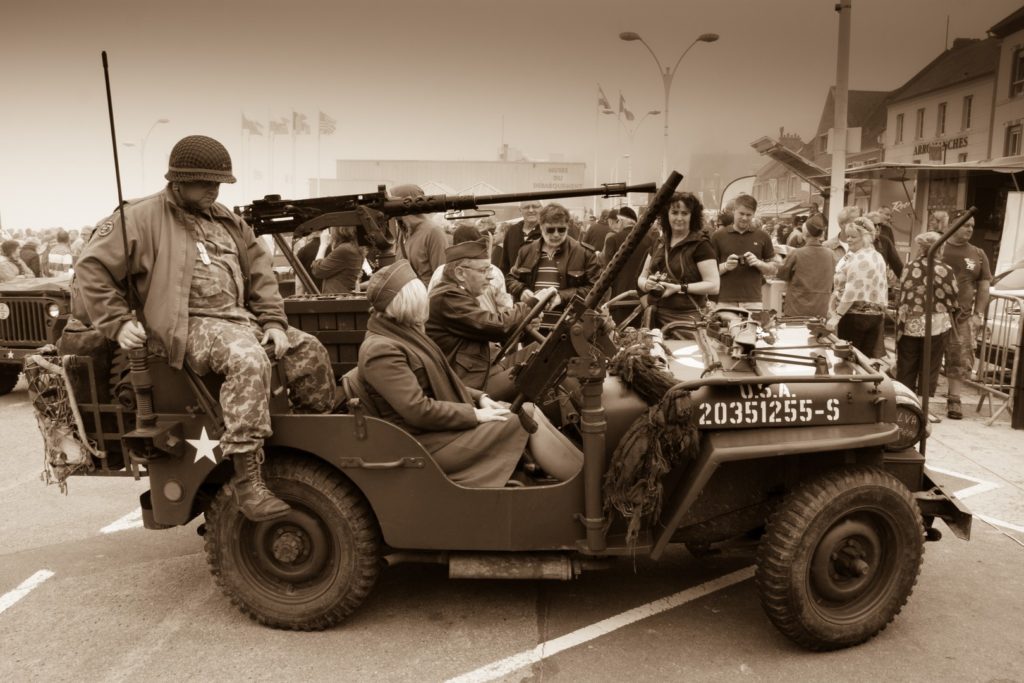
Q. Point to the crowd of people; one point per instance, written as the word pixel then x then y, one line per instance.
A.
pixel 442 302
pixel 53 252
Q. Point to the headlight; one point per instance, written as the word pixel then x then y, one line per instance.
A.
pixel 53 310
pixel 5 311
pixel 911 420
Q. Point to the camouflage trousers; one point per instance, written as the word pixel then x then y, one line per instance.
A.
pixel 233 350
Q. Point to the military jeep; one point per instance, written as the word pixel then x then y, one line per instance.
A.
pixel 797 439
pixel 33 313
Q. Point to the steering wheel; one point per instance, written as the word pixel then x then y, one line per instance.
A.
pixel 524 326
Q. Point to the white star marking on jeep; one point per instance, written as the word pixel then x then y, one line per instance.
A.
pixel 204 446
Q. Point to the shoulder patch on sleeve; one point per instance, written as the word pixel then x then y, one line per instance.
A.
pixel 105 227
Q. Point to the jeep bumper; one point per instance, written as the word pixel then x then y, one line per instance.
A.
pixel 935 501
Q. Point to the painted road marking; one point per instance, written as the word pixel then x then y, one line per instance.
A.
pixel 998 522
pixel 503 667
pixel 980 485
pixel 130 521
pixel 26 587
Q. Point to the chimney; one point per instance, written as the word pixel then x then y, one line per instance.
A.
pixel 963 42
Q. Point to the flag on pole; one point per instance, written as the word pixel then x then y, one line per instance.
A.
pixel 602 101
pixel 300 126
pixel 622 108
pixel 279 126
pixel 327 124
pixel 254 127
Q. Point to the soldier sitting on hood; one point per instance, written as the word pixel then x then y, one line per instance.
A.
pixel 209 299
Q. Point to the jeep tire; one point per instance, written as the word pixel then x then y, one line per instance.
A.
pixel 8 378
pixel 308 570
pixel 840 557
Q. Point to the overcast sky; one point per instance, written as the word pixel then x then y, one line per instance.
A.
pixel 414 79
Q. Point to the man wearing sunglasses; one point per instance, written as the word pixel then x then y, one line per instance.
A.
pixel 555 260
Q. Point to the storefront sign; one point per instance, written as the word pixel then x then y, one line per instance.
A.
pixel 954 143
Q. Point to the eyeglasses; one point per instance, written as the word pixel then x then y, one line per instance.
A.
pixel 559 230
pixel 481 269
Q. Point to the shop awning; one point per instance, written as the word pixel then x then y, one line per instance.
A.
pixel 901 171
pixel 804 168
pixel 780 209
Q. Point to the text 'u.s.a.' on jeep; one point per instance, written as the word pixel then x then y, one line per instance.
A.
pixel 754 429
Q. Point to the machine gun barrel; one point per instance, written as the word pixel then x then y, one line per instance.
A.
pixel 301 216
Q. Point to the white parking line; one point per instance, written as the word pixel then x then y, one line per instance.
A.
pixel 26 587
pixel 506 666
pixel 998 522
pixel 130 521
pixel 980 485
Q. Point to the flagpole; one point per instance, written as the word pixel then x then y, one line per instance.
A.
pixel 597 123
pixel 294 136
pixel 319 114
pixel 270 152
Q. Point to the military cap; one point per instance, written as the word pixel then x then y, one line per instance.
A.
pixel 386 283
pixel 466 250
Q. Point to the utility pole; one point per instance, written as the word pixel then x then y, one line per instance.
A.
pixel 836 193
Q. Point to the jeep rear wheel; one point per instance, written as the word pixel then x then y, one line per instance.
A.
pixel 308 570
pixel 840 557
pixel 8 379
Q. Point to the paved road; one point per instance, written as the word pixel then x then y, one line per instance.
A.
pixel 140 605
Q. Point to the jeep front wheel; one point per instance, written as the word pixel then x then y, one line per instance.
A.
pixel 308 570
pixel 839 558
pixel 8 380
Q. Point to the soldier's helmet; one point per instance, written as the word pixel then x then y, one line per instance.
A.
pixel 198 157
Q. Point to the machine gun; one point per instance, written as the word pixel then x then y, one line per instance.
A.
pixel 370 213
pixel 577 330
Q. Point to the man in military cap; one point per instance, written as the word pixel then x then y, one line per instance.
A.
pixel 468 333
pixel 209 298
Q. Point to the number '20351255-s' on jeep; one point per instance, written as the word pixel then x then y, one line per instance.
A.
pixel 779 431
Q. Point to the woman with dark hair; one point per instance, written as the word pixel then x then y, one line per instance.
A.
pixel 681 270
pixel 339 261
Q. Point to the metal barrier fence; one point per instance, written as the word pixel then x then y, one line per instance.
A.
pixel 996 373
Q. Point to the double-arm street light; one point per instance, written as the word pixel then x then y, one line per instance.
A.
pixel 666 79
pixel 631 134
pixel 142 148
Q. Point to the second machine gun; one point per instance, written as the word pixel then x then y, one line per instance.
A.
pixel 371 213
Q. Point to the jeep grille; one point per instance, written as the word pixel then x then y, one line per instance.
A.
pixel 26 324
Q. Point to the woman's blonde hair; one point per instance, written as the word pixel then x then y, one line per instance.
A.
pixel 866 227
pixel 924 242
pixel 410 306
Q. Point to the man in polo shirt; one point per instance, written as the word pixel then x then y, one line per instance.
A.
pixel 745 257
pixel 556 260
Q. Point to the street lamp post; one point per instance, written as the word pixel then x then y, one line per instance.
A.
pixel 666 79
pixel 630 135
pixel 142 149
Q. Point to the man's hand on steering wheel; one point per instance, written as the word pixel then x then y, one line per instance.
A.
pixel 543 298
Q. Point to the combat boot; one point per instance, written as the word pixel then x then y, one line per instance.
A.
pixel 254 499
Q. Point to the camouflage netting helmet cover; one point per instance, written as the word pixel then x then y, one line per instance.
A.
pixel 198 157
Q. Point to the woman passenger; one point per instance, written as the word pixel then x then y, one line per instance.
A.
pixel 474 439
pixel 682 266
pixel 339 260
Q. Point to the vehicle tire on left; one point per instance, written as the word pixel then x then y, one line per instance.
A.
pixel 306 571
pixel 8 380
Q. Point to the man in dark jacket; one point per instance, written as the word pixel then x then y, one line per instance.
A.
pixel 466 331
pixel 556 260
pixel 30 256
pixel 518 233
